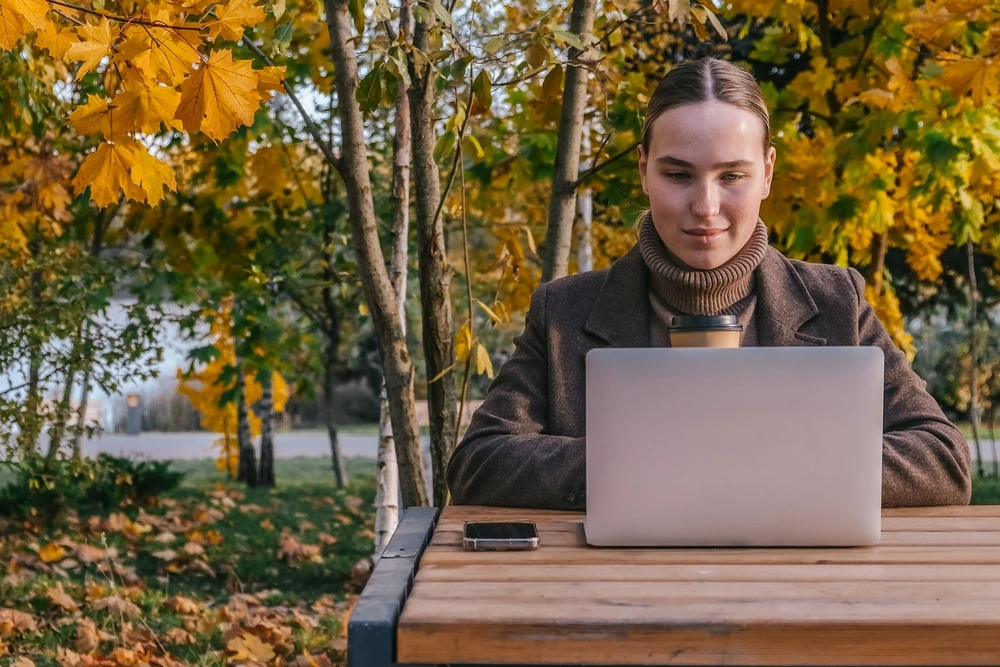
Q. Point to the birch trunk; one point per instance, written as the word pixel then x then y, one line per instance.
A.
pixel 387 469
pixel 248 457
pixel 585 202
pixel 265 476
pixel 81 415
pixel 435 272
pixel 559 235
pixel 329 384
pixel 382 303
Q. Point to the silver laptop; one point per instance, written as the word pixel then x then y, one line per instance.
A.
pixel 734 447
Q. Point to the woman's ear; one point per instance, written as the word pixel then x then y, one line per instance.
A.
pixel 642 169
pixel 769 157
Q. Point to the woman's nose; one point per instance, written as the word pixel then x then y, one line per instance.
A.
pixel 706 202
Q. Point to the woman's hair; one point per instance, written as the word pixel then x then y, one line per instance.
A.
pixel 706 80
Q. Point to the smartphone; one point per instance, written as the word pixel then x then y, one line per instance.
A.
pixel 494 536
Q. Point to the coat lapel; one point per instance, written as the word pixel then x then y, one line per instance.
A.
pixel 620 315
pixel 783 304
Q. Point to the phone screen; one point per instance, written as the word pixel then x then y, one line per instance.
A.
pixel 500 531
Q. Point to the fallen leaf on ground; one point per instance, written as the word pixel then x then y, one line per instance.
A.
pixel 182 605
pixel 60 598
pixel 87 637
pixel 294 552
pixel 248 647
pixel 116 605
pixel 12 621
pixel 194 549
pixel 124 657
pixel 166 537
pixel 22 662
pixel 51 553
pixel 68 658
pixel 180 636
pixel 165 554
pixel 327 538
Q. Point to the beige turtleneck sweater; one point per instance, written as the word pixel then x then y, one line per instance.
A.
pixel 726 290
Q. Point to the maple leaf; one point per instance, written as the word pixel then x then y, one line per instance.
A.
pixel 124 657
pixel 219 97
pixel 67 658
pixel 12 620
pixel 61 598
pixel 165 554
pixel 233 17
pixel 160 54
pixel 182 605
pixel 180 636
pixel 144 106
pixel 94 116
pixel 22 662
pixel 249 647
pixel 105 172
pixel 31 12
pixel 87 637
pixel 11 27
pixel 269 80
pixel 95 46
pixel 117 605
pixel 54 40
pixel 51 553
pixel 976 77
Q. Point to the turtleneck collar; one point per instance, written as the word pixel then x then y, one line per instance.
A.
pixel 697 292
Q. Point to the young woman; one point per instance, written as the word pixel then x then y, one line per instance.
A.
pixel 706 164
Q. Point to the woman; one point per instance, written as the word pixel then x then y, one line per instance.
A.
pixel 706 164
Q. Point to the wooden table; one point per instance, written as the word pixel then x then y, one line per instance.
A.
pixel 928 594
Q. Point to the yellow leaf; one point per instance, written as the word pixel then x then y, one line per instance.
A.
pixel 144 107
pixel 233 17
pixel 11 27
pixel 976 77
pixel 105 171
pixel 531 241
pixel 160 54
pixel 220 96
pixel 463 343
pixel 269 80
pixel 54 40
pixel 483 362
pixel 363 309
pixel 51 553
pixel 32 12
pixel 22 662
pixel 492 315
pixel 152 175
pixel 60 598
pixel 278 7
pixel 95 46
pixel 249 647
pixel 92 117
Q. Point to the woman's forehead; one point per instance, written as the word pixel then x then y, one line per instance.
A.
pixel 707 132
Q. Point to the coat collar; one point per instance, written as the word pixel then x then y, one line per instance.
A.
pixel 620 315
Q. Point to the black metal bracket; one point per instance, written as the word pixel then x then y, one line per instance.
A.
pixel 371 633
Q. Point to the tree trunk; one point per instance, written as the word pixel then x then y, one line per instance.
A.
pixel 585 202
pixel 876 270
pixel 265 474
pixel 382 303
pixel 559 236
pixel 248 457
pixel 387 469
pixel 974 358
pixel 993 438
pixel 435 272
pixel 33 422
pixel 81 414
pixel 62 412
pixel 329 384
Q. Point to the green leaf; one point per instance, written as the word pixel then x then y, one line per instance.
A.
pixel 357 9
pixel 282 38
pixel 480 153
pixel 566 37
pixel 442 13
pixel 844 208
pixel 493 45
pixel 370 91
pixel 482 88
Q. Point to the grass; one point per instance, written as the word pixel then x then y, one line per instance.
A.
pixel 299 549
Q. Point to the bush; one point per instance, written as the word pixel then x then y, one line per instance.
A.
pixel 43 490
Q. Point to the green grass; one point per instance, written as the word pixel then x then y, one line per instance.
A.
pixel 287 472
pixel 984 431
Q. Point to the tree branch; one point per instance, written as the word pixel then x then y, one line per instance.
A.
pixel 123 19
pixel 597 167
pixel 310 126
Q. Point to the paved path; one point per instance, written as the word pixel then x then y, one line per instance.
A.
pixel 286 445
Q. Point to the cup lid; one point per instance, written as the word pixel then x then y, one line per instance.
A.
pixel 705 323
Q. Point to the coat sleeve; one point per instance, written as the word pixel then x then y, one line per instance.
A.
pixel 507 458
pixel 925 458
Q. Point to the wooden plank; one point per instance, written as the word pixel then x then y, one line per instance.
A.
pixel 645 593
pixel 436 555
pixel 899 538
pixel 963 511
pixel 684 640
pixel 782 573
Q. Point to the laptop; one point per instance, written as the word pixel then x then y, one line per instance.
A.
pixel 748 447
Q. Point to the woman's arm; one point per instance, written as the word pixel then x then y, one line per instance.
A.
pixel 925 459
pixel 506 457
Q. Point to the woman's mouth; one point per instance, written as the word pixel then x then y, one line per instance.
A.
pixel 704 236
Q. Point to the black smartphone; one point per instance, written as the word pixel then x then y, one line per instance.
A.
pixel 500 536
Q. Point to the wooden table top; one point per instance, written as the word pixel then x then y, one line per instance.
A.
pixel 928 594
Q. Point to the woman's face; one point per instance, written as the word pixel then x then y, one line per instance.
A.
pixel 705 175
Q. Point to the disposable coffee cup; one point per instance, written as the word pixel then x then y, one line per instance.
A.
pixel 705 331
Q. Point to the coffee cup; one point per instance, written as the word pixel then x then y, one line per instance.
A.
pixel 705 331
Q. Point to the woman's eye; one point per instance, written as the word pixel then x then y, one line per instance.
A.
pixel 676 175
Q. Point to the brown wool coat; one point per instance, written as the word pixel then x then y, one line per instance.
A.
pixel 525 444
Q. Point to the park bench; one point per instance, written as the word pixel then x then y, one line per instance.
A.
pixel 928 594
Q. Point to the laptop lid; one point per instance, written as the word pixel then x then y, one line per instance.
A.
pixel 734 447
